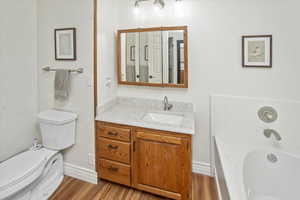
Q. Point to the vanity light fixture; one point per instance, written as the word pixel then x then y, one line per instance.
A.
pixel 160 3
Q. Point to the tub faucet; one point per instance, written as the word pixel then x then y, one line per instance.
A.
pixel 269 132
pixel 167 106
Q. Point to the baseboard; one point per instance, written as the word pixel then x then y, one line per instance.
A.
pixel 80 173
pixel 201 168
pixel 91 176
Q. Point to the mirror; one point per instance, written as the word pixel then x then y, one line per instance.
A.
pixel 153 57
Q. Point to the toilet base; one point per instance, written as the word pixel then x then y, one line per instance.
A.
pixel 44 186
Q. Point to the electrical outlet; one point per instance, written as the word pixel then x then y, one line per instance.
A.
pixel 108 82
pixel 90 83
pixel 91 159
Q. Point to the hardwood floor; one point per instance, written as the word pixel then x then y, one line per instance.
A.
pixel 73 189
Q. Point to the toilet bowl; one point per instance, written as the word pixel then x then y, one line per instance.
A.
pixel 36 173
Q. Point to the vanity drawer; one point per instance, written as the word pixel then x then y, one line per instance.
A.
pixel 114 150
pixel 114 171
pixel 116 133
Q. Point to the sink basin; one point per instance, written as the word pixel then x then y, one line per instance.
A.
pixel 164 118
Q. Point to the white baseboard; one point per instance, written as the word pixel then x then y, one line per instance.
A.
pixel 201 168
pixel 90 176
pixel 80 173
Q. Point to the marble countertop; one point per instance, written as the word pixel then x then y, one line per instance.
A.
pixel 130 111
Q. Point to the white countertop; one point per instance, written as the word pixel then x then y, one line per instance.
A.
pixel 130 111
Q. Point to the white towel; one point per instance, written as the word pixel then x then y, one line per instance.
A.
pixel 62 84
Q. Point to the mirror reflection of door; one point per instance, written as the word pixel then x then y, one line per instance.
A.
pixel 132 60
pixel 150 57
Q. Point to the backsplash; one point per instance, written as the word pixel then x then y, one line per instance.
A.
pixel 151 104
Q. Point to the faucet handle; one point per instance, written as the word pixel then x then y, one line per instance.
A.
pixel 269 132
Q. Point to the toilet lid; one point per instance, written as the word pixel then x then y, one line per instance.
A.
pixel 56 117
pixel 23 165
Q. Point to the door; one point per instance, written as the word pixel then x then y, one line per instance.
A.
pixel 155 56
pixel 161 164
pixel 151 57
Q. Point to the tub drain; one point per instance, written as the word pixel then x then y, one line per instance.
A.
pixel 272 158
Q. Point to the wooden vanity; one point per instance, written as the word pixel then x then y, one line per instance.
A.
pixel 154 161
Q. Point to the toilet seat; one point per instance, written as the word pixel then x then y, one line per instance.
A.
pixel 21 170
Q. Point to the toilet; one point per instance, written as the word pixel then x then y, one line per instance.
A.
pixel 36 173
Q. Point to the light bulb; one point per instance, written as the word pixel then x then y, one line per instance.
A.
pixel 159 3
pixel 136 10
pixel 156 7
pixel 178 3
pixel 179 9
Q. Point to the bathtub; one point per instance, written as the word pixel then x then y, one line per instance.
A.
pixel 245 172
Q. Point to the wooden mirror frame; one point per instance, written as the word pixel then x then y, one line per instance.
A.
pixel 175 28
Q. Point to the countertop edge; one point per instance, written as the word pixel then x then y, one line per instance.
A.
pixel 150 126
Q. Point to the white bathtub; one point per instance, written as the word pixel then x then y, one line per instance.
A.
pixel 265 180
pixel 245 173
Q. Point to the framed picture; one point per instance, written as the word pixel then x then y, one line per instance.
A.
pixel 65 44
pixel 257 51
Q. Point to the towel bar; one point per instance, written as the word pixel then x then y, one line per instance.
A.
pixel 78 70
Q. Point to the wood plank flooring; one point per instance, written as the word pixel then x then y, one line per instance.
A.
pixel 73 189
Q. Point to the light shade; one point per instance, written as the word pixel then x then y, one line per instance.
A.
pixel 159 2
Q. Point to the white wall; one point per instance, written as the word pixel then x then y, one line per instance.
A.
pixel 245 127
pixel 106 50
pixel 215 28
pixel 18 77
pixel 64 14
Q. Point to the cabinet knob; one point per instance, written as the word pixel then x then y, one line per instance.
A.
pixel 112 146
pixel 112 133
pixel 151 76
pixel 114 169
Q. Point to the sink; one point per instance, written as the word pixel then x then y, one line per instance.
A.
pixel 164 118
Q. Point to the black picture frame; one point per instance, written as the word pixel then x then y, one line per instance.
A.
pixel 269 61
pixel 69 54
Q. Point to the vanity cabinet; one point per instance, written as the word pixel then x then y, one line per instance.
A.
pixel 162 163
pixel 155 161
pixel 113 153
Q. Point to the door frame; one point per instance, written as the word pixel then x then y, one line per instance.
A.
pixel 95 52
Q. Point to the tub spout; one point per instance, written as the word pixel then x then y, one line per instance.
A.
pixel 269 132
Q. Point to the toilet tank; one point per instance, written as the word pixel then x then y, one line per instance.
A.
pixel 57 129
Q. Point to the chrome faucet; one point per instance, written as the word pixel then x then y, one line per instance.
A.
pixel 269 132
pixel 167 106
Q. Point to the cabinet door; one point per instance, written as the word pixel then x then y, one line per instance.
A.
pixel 162 164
